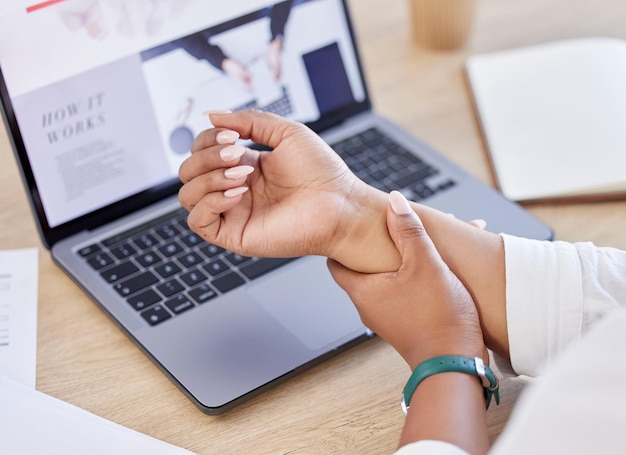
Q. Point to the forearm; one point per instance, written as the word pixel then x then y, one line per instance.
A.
pixel 476 257
pixel 448 407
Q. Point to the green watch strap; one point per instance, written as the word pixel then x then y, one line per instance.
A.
pixel 447 363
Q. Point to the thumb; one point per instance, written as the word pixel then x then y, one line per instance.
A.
pixel 407 231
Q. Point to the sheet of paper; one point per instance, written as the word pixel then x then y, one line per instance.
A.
pixel 33 423
pixel 19 270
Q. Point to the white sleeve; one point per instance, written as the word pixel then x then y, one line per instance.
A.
pixel 428 447
pixel 579 406
pixel 555 292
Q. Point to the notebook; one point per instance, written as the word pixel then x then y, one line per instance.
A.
pixel 552 116
pixel 102 100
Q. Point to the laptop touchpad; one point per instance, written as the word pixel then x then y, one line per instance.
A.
pixel 306 300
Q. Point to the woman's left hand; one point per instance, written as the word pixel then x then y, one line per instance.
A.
pixel 422 309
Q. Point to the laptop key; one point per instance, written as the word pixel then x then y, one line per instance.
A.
pixel 136 283
pixel 119 271
pixel 167 231
pixel 170 249
pixel 189 259
pixel 203 293
pixel 262 266
pixel 215 267
pixel 100 261
pixel 211 250
pixel 415 176
pixel 145 241
pixel 236 259
pixel 149 259
pixel 144 299
pixel 156 314
pixel 89 250
pixel 179 304
pixel 168 269
pixel 123 251
pixel 191 239
pixel 193 277
pixel 422 191
pixel 227 282
pixel 170 287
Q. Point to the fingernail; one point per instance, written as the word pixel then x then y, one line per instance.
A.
pixel 234 192
pixel 238 172
pixel 232 152
pixel 399 204
pixel 226 137
pixel 480 223
pixel 217 112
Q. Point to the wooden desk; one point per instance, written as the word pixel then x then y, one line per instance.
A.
pixel 350 403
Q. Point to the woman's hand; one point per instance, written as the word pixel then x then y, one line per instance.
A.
pixel 422 309
pixel 288 202
pixel 299 199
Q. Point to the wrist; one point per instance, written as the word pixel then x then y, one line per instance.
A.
pixel 362 242
pixel 452 364
pixel 463 338
pixel 420 354
pixel 448 407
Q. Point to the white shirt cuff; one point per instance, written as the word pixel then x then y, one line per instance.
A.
pixel 544 301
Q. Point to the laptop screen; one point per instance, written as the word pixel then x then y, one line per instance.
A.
pixel 104 97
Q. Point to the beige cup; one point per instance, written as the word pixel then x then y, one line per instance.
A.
pixel 442 24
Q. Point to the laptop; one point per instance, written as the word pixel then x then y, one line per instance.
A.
pixel 101 100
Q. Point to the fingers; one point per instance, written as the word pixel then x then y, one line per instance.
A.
pixel 207 181
pixel 261 127
pixel 206 216
pixel 210 159
pixel 479 223
pixel 213 136
pixel 214 180
pixel 209 195
pixel 408 232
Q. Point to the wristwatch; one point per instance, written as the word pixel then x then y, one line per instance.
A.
pixel 446 363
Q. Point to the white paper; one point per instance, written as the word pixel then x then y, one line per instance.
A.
pixel 19 270
pixel 33 423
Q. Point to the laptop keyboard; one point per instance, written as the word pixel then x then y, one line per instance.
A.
pixel 383 163
pixel 163 269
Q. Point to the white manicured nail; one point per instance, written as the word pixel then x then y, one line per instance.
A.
pixel 226 137
pixel 238 172
pixel 399 204
pixel 232 152
pixel 234 192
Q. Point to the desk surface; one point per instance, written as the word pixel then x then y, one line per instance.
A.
pixel 350 403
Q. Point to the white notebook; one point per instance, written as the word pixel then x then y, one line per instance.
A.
pixel 553 118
